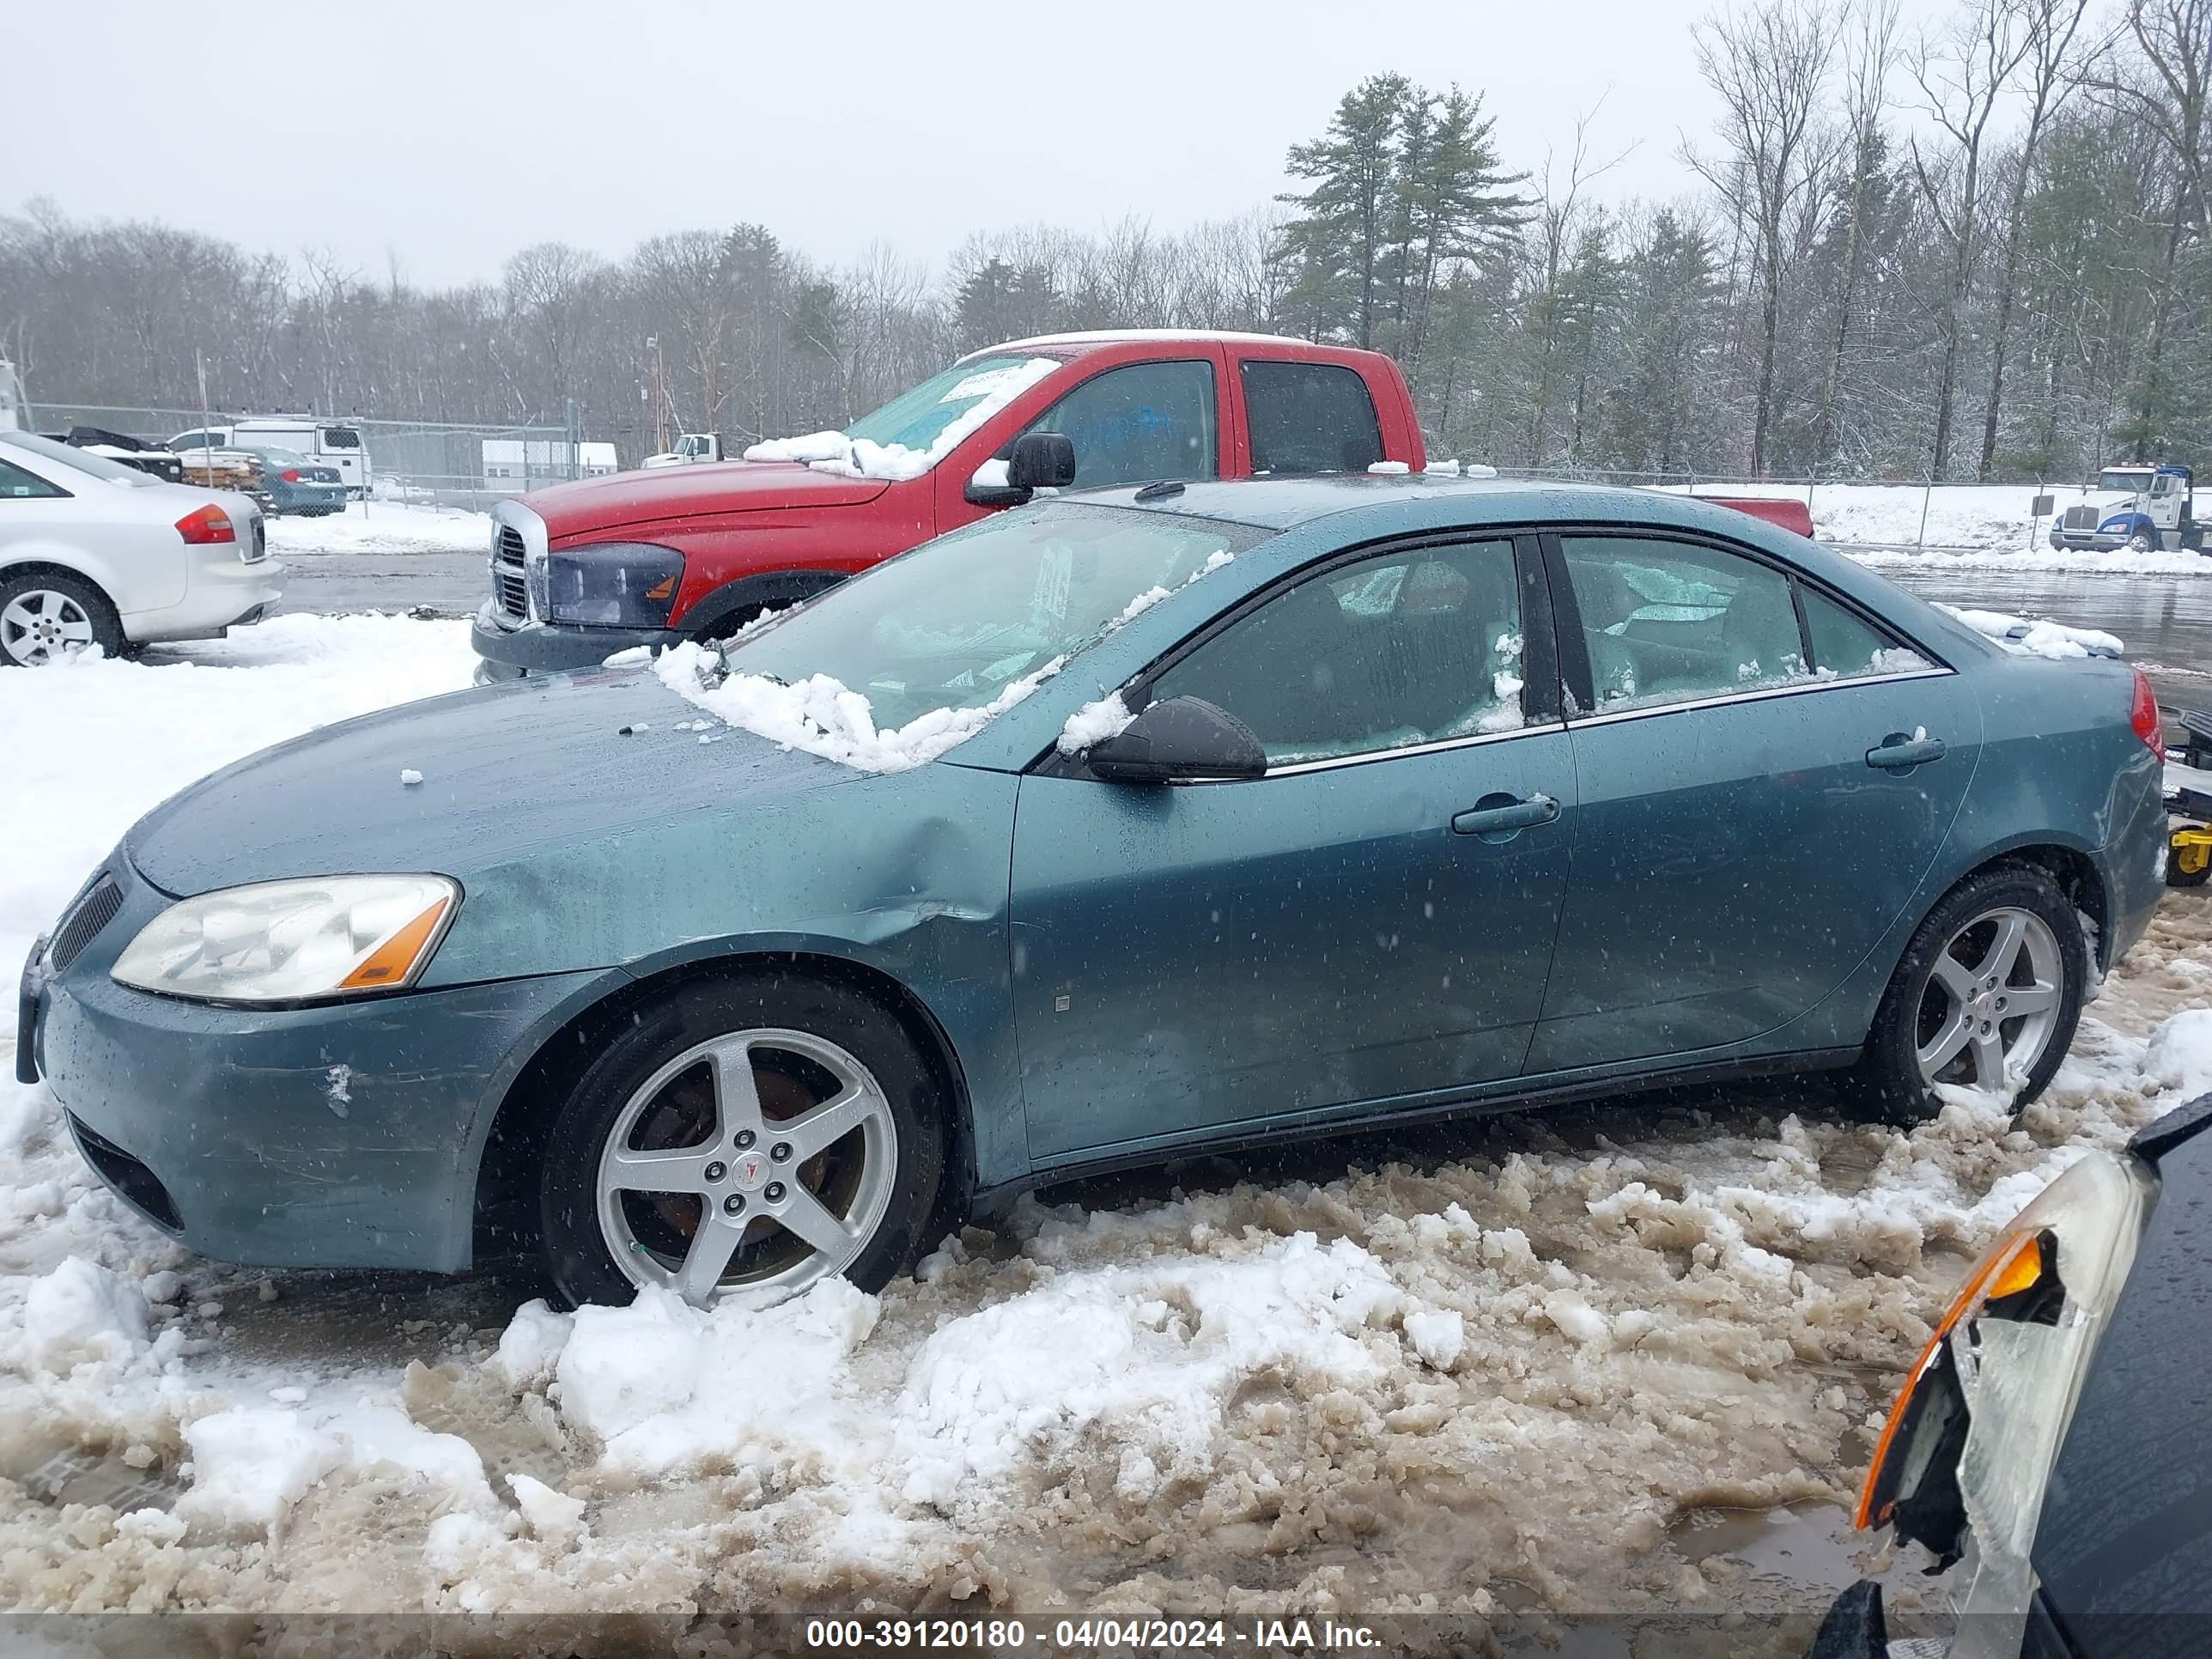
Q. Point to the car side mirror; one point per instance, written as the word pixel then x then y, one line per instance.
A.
pixel 1041 460
pixel 1180 740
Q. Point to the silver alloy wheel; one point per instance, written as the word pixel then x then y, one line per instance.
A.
pixel 1991 1002
pixel 39 626
pixel 751 1164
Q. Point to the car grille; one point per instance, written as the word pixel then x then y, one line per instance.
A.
pixel 509 592
pixel 2081 518
pixel 83 921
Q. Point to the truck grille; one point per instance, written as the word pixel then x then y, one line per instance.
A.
pixel 2081 518
pixel 509 592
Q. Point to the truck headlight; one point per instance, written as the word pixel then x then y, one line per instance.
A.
pixel 604 585
pixel 293 941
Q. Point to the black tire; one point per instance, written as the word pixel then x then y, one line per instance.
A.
pixel 1887 1084
pixel 579 1259
pixel 2178 876
pixel 82 607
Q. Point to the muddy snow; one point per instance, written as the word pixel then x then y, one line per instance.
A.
pixel 1520 1369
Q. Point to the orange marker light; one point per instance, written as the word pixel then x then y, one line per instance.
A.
pixel 392 961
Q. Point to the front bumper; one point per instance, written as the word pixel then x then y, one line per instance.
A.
pixel 507 654
pixel 339 1136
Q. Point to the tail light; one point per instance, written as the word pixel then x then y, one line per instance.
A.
pixel 2143 716
pixel 205 527
pixel 291 475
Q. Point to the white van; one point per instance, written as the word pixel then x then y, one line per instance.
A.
pixel 333 443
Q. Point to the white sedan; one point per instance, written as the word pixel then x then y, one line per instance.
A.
pixel 94 553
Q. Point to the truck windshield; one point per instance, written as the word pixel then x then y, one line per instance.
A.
pixel 952 623
pixel 915 418
pixel 2123 479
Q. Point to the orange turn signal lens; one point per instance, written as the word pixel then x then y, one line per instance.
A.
pixel 2016 1262
pixel 394 961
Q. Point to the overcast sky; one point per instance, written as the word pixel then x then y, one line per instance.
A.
pixel 447 136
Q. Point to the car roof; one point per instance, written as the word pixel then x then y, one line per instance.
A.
pixel 1090 337
pixel 1282 503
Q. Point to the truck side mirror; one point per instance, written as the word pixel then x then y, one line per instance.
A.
pixel 1041 460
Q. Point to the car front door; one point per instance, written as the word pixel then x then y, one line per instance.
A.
pixel 1767 774
pixel 1371 921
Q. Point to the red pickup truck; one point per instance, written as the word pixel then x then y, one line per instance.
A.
pixel 581 570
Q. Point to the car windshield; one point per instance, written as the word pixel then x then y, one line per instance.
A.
pixel 98 465
pixel 2123 478
pixel 952 623
pixel 915 418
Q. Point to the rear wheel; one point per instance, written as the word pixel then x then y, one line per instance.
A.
pixel 1986 996
pixel 46 616
pixel 745 1137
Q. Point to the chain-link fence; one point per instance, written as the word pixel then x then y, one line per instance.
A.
pixel 467 463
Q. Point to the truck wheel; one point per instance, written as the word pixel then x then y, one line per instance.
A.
pixel 2178 876
pixel 46 616
pixel 2140 542
pixel 745 1136
pixel 1989 991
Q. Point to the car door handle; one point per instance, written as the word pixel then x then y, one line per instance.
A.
pixel 1898 752
pixel 1510 816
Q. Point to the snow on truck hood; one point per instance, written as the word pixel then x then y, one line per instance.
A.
pixel 562 758
pixel 703 490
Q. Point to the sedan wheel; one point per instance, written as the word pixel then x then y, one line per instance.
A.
pixel 1986 996
pixel 46 617
pixel 1991 1002
pixel 743 1139
pixel 758 1162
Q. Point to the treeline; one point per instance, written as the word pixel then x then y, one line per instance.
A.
pixel 1980 252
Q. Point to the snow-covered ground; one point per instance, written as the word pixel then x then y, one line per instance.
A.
pixel 1967 527
pixel 378 527
pixel 1509 1368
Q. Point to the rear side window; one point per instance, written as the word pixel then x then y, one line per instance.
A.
pixel 1136 425
pixel 1671 622
pixel 1309 417
pixel 341 437
pixel 1844 648
pixel 17 484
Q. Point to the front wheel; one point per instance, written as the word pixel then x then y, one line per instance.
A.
pixel 2140 542
pixel 745 1137
pixel 1986 997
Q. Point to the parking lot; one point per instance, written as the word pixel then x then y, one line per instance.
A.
pixel 1622 1359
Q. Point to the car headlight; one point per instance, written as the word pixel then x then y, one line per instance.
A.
pixel 605 585
pixel 293 941
pixel 1968 1450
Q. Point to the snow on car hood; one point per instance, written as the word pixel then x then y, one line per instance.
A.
pixel 849 458
pixel 566 757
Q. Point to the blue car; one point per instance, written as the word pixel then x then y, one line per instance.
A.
pixel 1116 827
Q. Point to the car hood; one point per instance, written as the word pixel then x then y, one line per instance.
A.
pixel 705 490
pixel 557 758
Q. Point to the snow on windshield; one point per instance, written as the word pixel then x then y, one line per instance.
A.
pixel 985 392
pixel 2028 637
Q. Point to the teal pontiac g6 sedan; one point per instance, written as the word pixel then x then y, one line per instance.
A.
pixel 1116 826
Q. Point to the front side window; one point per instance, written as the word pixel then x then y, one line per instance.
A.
pixel 957 620
pixel 1140 424
pixel 1670 621
pixel 1845 648
pixel 1394 651
pixel 1309 417
pixel 17 484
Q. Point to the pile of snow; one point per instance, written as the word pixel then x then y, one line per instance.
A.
pixel 824 716
pixel 2030 637
pixel 986 392
pixel 103 743
pixel 378 526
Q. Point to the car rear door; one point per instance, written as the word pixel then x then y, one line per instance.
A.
pixel 1370 922
pixel 1767 773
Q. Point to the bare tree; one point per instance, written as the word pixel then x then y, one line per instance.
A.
pixel 1768 60
pixel 1869 55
